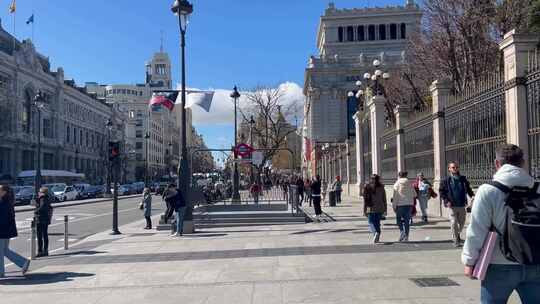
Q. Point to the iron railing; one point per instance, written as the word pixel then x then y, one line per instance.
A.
pixel 474 127
pixel 366 143
pixel 418 137
pixel 389 157
pixel 353 179
pixel 533 112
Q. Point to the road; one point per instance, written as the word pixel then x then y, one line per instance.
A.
pixel 84 220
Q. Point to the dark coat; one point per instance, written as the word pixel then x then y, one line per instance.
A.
pixel 8 227
pixel 147 204
pixel 176 200
pixel 43 210
pixel 374 199
pixel 316 188
pixel 444 190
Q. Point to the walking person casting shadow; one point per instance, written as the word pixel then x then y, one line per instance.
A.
pixel 146 206
pixel 8 230
pixel 176 200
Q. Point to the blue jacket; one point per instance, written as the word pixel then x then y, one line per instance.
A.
pixel 445 191
pixel 8 228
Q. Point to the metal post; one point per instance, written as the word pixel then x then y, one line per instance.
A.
pixel 33 240
pixel 147 138
pixel 66 233
pixel 115 168
pixel 38 168
pixel 236 177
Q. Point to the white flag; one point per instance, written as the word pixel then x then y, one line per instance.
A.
pixel 201 98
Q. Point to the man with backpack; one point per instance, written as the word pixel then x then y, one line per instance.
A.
pixel 510 206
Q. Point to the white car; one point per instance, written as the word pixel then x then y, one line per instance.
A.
pixel 67 193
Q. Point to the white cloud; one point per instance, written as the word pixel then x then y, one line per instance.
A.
pixel 222 110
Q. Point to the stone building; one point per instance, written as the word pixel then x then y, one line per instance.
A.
pixel 160 125
pixel 349 40
pixel 73 132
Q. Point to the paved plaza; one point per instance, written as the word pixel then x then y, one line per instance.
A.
pixel 330 262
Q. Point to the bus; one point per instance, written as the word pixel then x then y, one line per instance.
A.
pixel 27 178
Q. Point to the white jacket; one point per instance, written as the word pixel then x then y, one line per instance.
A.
pixel 404 193
pixel 489 208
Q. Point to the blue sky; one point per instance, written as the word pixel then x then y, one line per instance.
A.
pixel 243 42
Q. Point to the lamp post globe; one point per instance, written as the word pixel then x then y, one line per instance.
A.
pixel 376 62
pixel 367 76
pixel 350 94
pixel 386 76
pixel 358 83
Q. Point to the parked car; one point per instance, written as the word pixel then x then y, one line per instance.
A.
pixel 92 192
pixel 80 188
pixel 67 193
pixel 138 187
pixel 123 190
pixel 24 195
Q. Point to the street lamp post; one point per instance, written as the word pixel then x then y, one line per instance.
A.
pixel 182 8
pixel 372 83
pixel 236 178
pixel 146 160
pixel 113 169
pixel 251 123
pixel 39 103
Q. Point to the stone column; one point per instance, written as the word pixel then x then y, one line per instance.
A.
pixel 402 115
pixel 348 165
pixel 515 48
pixel 376 110
pixel 440 92
pixel 359 152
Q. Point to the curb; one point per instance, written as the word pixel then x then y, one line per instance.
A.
pixel 75 203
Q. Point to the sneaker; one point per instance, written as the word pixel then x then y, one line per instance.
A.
pixel 25 267
pixel 177 235
pixel 376 238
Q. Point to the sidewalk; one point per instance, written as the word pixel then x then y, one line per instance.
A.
pixel 302 263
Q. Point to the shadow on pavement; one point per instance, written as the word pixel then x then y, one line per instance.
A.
pixel 44 278
pixel 197 235
pixel 74 253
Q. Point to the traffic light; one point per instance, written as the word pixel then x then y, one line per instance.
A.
pixel 114 151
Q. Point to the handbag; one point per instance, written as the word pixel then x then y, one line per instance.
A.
pixel 432 193
pixel 141 206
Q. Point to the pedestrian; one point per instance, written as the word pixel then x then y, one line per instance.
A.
pixel 42 219
pixel 454 190
pixel 307 191
pixel 316 194
pixel 176 199
pixel 169 211
pixel 285 189
pixel 146 205
pixel 375 205
pixel 424 191
pixel 490 211
pixel 300 189
pixel 336 187
pixel 255 190
pixel 324 187
pixel 403 203
pixel 8 230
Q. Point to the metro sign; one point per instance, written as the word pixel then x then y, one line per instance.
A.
pixel 243 150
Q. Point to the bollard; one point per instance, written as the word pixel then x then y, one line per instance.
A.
pixel 66 234
pixel 33 241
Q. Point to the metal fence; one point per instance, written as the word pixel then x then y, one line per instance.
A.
pixel 343 160
pixel 389 157
pixel 533 112
pixel 418 138
pixel 366 144
pixel 353 168
pixel 474 127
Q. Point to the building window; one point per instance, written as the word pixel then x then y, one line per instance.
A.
pixel 139 123
pixel 138 134
pixel 340 34
pixel 138 145
pixel 350 33
pixel 80 138
pixel 27 112
pixel 371 32
pixel 68 133
pixel 393 31
pixel 28 160
pixel 87 139
pixel 74 136
pixel 382 31
pixel 403 28
pixel 48 128
pixel 361 36
pixel 5 160
pixel 48 161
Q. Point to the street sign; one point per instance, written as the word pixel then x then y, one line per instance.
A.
pixel 257 158
pixel 243 150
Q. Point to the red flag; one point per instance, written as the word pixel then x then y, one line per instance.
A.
pixel 166 99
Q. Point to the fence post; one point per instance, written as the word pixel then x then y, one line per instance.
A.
pixel 348 165
pixel 401 113
pixel 440 92
pixel 359 153
pixel 33 240
pixel 516 48
pixel 66 233
pixel 376 107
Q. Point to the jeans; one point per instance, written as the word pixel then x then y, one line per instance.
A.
pixel 180 220
pixel 317 205
pixel 374 220
pixel 423 202
pixel 11 255
pixel 338 196
pixel 458 215
pixel 403 219
pixel 43 237
pixel 502 280
pixel 148 222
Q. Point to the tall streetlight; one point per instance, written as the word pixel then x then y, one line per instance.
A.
pixel 372 83
pixel 39 103
pixel 109 126
pixel 251 123
pixel 113 169
pixel 236 179
pixel 182 9
pixel 146 159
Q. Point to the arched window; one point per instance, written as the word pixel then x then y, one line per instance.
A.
pixel 371 32
pixel 382 31
pixel 393 31
pixel 340 34
pixel 403 28
pixel 350 33
pixel 27 111
pixel 361 33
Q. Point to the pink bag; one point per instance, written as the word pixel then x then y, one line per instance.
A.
pixel 484 259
